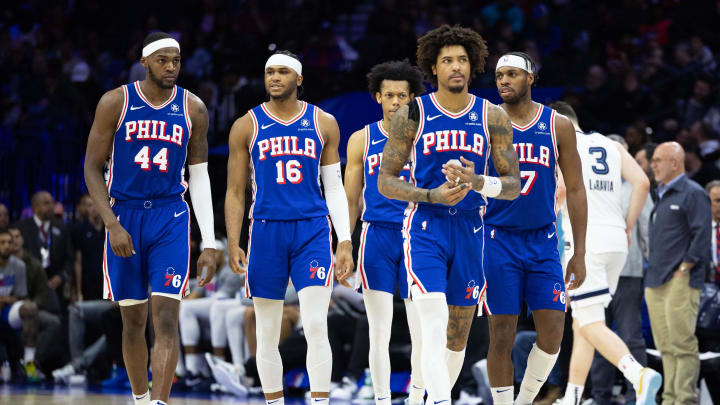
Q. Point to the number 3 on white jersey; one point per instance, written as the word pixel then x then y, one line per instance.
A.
pixel 161 159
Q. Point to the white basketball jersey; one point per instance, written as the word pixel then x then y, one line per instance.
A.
pixel 602 168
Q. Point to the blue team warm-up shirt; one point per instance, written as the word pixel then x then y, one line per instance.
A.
pixel 536 148
pixel 285 159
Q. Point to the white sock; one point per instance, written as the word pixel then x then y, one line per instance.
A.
pixel 503 395
pixel 314 302
pixel 29 354
pixel 380 323
pixel 539 365
pixel 573 394
pixel 157 402
pixel 416 394
pixel 454 364
pixel 143 399
pixel 278 401
pixel 268 317
pixel 630 368
pixel 417 384
pixel 194 363
pixel 433 312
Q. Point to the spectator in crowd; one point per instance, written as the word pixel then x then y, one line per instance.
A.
pixel 38 292
pixel 625 309
pixel 88 240
pixel 713 190
pixel 49 243
pixel 4 216
pixel 694 108
pixel 699 170
pixel 680 230
pixel 636 135
pixel 17 313
pixel 643 157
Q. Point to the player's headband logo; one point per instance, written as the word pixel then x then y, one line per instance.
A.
pixel 152 47
pixel 514 61
pixel 280 59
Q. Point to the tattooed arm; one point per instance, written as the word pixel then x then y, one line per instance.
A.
pixel 403 128
pixel 503 153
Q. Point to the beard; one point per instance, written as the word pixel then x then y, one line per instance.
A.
pixel 159 81
pixel 518 96
pixel 5 256
pixel 456 89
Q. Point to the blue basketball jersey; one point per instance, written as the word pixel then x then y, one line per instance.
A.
pixel 150 146
pixel 377 207
pixel 536 148
pixel 285 163
pixel 443 136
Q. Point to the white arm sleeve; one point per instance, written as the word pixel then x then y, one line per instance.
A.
pixel 201 198
pixel 336 200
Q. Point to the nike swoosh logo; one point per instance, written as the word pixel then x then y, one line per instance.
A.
pixel 177 214
pixel 320 399
pixel 133 108
pixel 550 235
pixel 378 141
pixel 429 118
pixel 476 230
pixel 267 126
pixel 380 399
pixel 273 401
pixel 506 389
pixel 440 402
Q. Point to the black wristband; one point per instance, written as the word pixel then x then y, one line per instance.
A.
pixel 428 196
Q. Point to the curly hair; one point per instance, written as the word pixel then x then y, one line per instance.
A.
pixel 396 70
pixel 429 46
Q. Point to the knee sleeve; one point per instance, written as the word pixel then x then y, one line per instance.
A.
pixel 380 324
pixel 269 364
pixel 314 303
pixel 416 377
pixel 433 313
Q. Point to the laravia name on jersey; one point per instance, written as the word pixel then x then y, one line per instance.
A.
pixel 153 129
pixel 525 152
pixel 452 141
pixel 286 146
pixel 601 185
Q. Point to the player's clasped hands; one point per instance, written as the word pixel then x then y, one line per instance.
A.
pixel 238 260
pixel 120 241
pixel 344 266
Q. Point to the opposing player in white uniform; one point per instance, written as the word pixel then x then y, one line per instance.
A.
pixel 605 165
pixel 380 258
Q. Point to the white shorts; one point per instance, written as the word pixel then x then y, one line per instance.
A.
pixel 601 279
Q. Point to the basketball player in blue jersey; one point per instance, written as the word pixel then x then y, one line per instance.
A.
pixel 522 262
pixel 284 147
pixel 380 257
pixel 149 129
pixel 443 226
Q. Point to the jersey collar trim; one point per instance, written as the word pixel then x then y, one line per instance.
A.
pixel 286 123
pixel 156 107
pixel 533 122
pixel 382 129
pixel 448 113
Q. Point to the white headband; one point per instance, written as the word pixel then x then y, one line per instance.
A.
pixel 514 61
pixel 279 59
pixel 150 48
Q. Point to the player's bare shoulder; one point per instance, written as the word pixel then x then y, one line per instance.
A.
pixel 196 107
pixel 242 130
pixel 498 121
pixel 112 103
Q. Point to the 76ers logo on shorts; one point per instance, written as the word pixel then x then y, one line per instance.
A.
pixel 558 293
pixel 171 277
pixel 316 270
pixel 472 290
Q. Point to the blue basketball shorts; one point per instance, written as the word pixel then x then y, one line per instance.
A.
pixel 160 232
pixel 299 250
pixel 443 251
pixel 380 258
pixel 523 265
